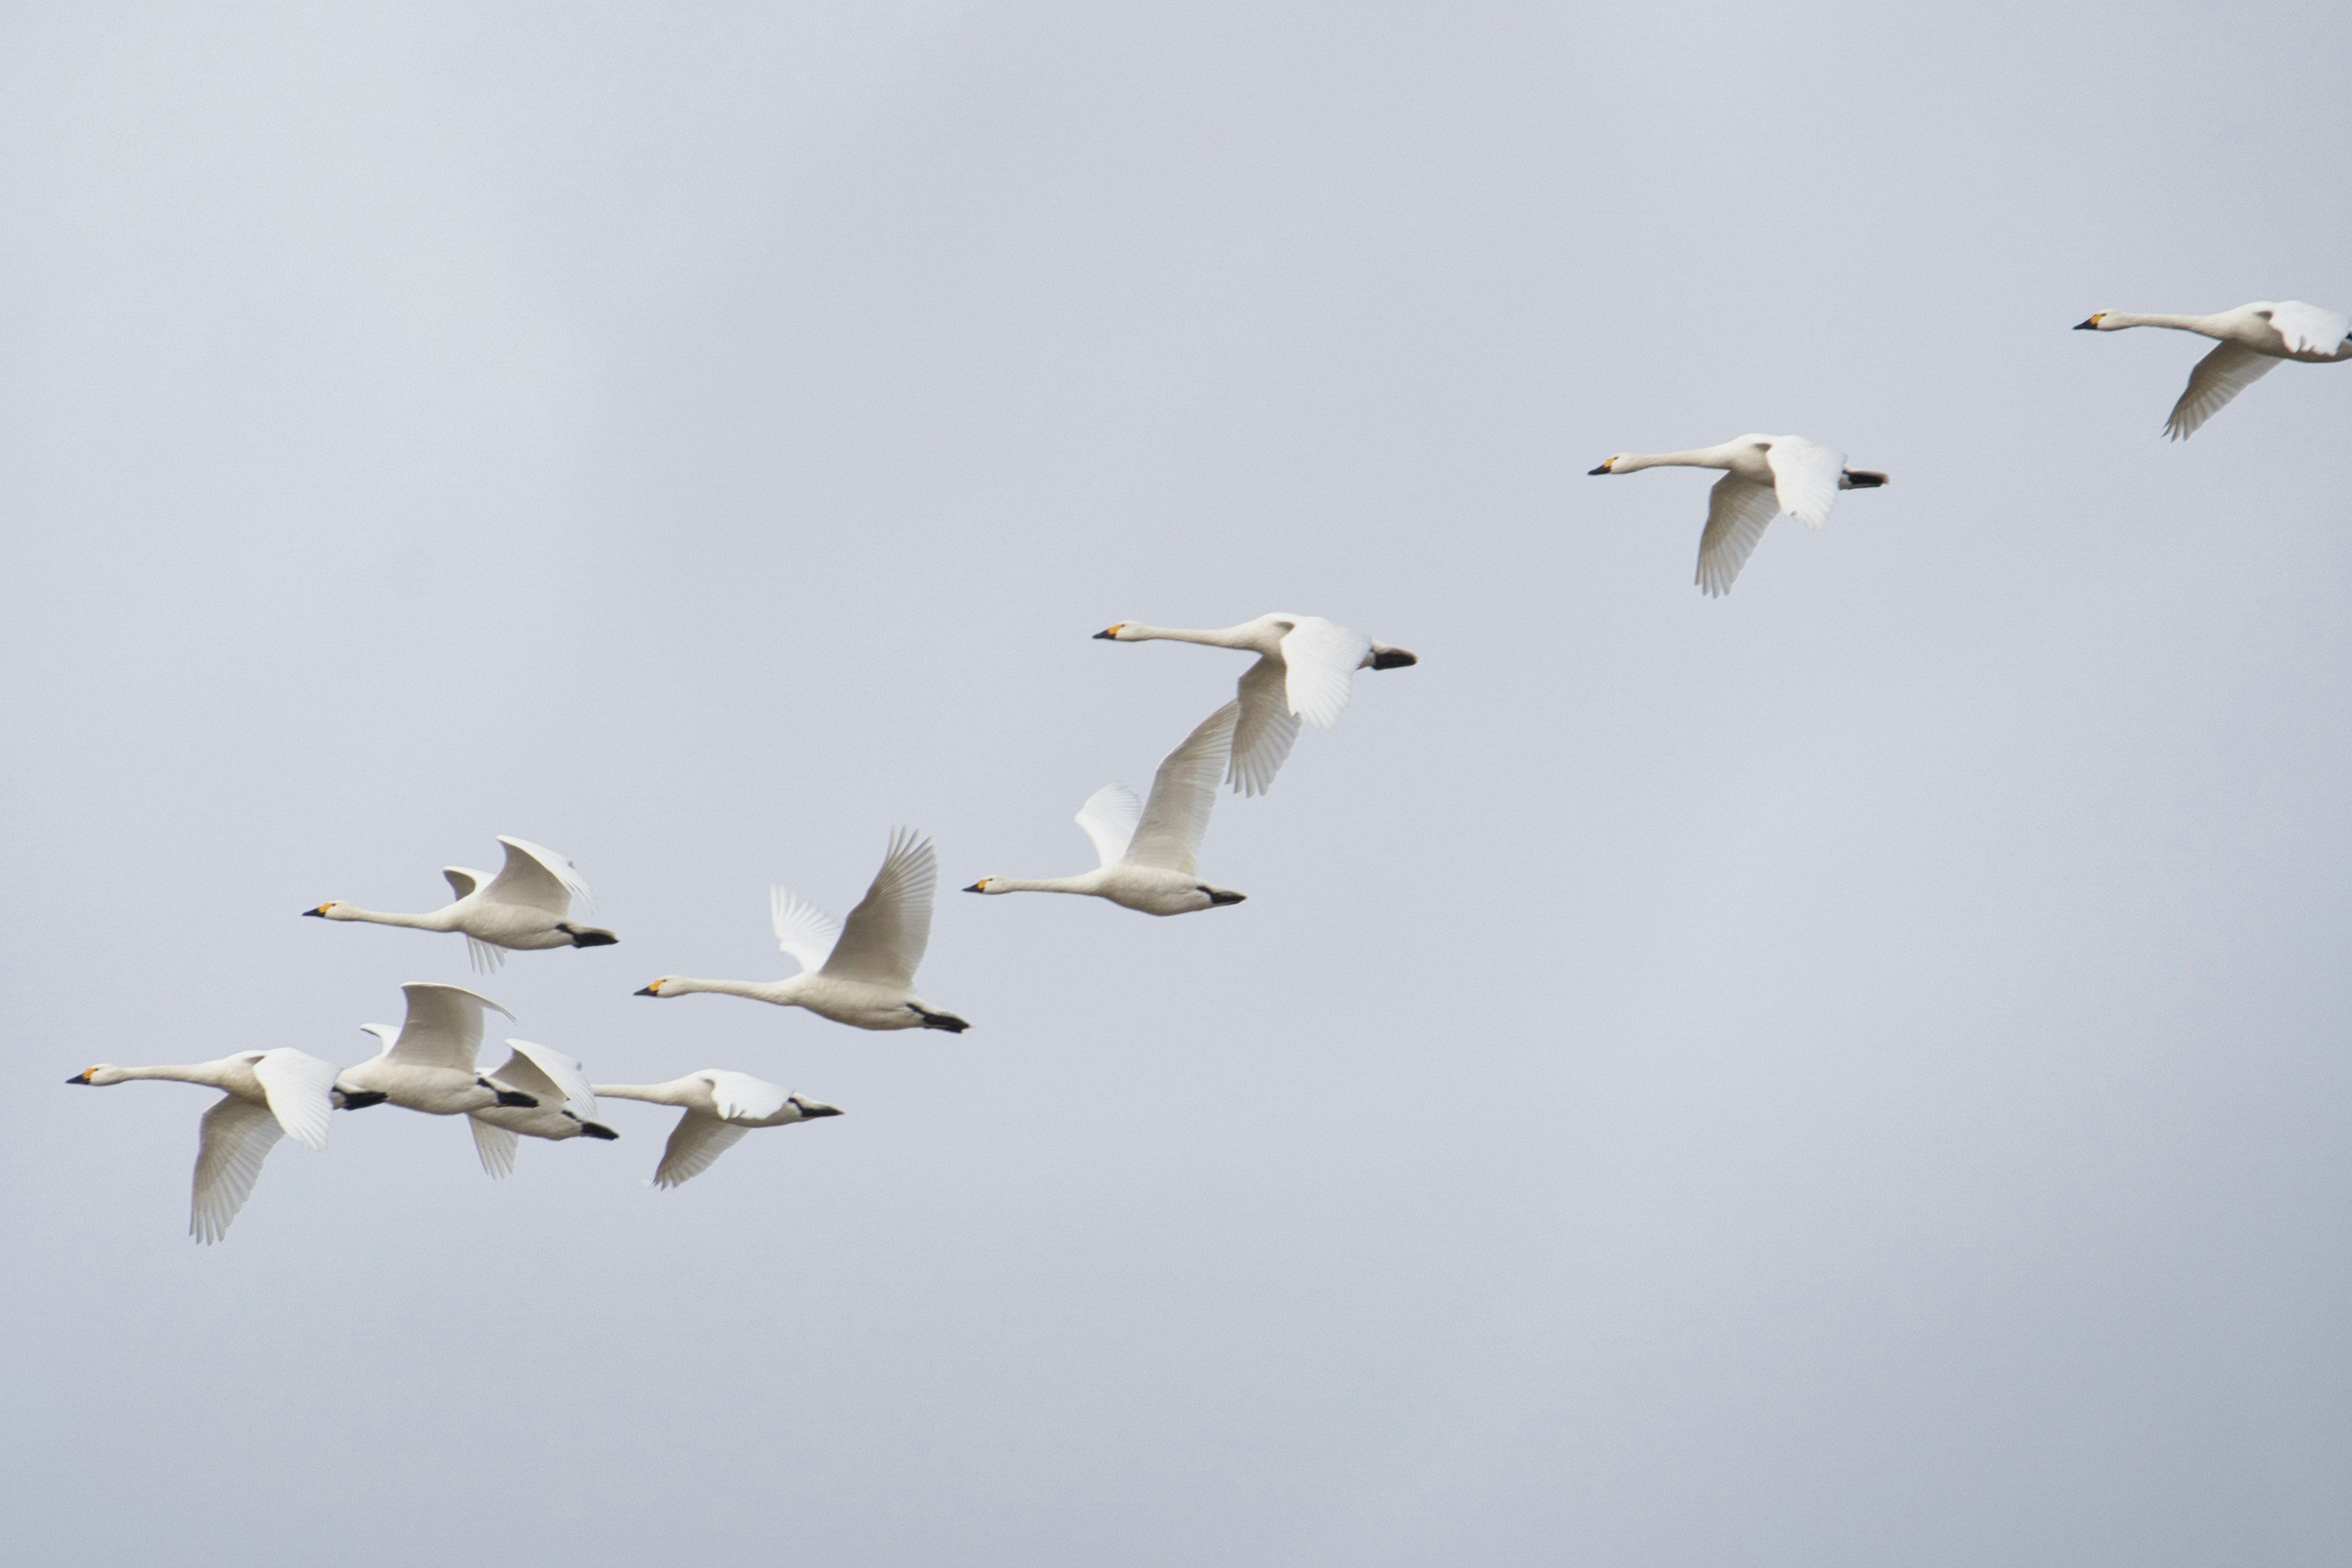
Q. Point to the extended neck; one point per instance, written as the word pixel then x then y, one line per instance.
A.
pixel 651 1093
pixel 1696 457
pixel 1082 884
pixel 207 1073
pixel 1232 636
pixel 439 919
pixel 757 990
pixel 2117 321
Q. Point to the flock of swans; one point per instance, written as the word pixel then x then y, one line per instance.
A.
pixel 861 971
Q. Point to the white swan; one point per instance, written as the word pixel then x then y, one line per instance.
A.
pixel 566 1106
pixel 2254 338
pixel 1150 852
pixel 1764 477
pixel 427 1064
pixel 1306 668
pixel 862 972
pixel 527 906
pixel 720 1107
pixel 266 1094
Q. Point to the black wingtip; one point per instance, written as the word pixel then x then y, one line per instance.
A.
pixel 1395 658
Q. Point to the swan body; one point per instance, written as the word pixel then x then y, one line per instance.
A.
pixel 526 907
pixel 427 1064
pixel 1763 475
pixel 1306 670
pixel 2253 340
pixel 266 1095
pixel 565 1108
pixel 860 972
pixel 1150 852
pixel 720 1107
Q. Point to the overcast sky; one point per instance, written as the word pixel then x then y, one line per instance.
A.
pixel 1851 1073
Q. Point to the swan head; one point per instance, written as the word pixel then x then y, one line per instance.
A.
pixel 812 1109
pixel 332 910
pixel 101 1075
pixel 1607 465
pixel 982 886
pixel 668 985
pixel 2095 323
pixel 1111 634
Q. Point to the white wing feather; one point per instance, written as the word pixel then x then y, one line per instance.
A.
pixel 539 877
pixel 1737 513
pixel 2219 377
pixel 2310 329
pixel 549 1076
pixel 1322 657
pixel 1267 730
pixel 883 940
pixel 805 932
pixel 742 1098
pixel 1183 792
pixel 463 881
pixel 1110 817
pixel 444 1027
pixel 1805 477
pixel 496 1146
pixel 301 1092
pixel 237 1136
pixel 697 1142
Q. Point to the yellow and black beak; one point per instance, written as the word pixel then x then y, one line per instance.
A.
pixel 653 990
pixel 320 911
pixel 1109 635
pixel 82 1077
pixel 979 887
pixel 1601 469
pixel 2090 326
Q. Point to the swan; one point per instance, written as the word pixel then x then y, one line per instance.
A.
pixel 1306 668
pixel 266 1094
pixel 566 1106
pixel 427 1064
pixel 1150 852
pixel 527 906
pixel 2255 337
pixel 1765 476
pixel 860 972
pixel 720 1107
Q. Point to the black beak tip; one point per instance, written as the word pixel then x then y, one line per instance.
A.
pixel 2090 326
pixel 644 991
pixel 1590 473
pixel 320 913
pixel 974 889
pixel 79 1077
pixel 1105 636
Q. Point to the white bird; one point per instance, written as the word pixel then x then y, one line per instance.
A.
pixel 566 1106
pixel 1306 670
pixel 266 1095
pixel 427 1064
pixel 862 972
pixel 1150 853
pixel 720 1107
pixel 527 906
pixel 2254 337
pixel 1764 477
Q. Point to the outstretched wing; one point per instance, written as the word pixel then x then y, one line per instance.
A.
pixel 1737 513
pixel 742 1098
pixel 1110 817
pixel 1322 657
pixel 302 1093
pixel 805 932
pixel 882 942
pixel 1805 478
pixel 538 877
pixel 2310 329
pixel 1183 792
pixel 496 1146
pixel 1267 729
pixel 2219 377
pixel 237 1135
pixel 463 881
pixel 697 1142
pixel 444 1027
pixel 549 1076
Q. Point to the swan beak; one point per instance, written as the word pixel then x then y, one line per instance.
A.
pixel 82 1077
pixel 320 911
pixel 1109 635
pixel 979 887
pixel 653 990
pixel 1601 469
pixel 2090 326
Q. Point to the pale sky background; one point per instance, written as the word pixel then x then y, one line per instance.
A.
pixel 1854 1073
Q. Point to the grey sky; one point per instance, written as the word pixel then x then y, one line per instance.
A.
pixel 1853 1073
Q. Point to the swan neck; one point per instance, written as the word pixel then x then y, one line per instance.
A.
pixel 1227 638
pixel 1696 457
pixel 196 1072
pixel 439 919
pixel 1039 884
pixel 2122 319
pixel 757 990
pixel 651 1093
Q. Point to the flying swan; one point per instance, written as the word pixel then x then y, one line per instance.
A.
pixel 427 1064
pixel 1765 476
pixel 1306 670
pixel 1150 853
pixel 527 907
pixel 720 1107
pixel 266 1095
pixel 566 1106
pixel 861 972
pixel 2255 337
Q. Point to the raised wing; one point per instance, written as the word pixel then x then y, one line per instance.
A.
pixel 549 1076
pixel 697 1141
pixel 1737 513
pixel 1183 792
pixel 1110 817
pixel 302 1093
pixel 2310 329
pixel 463 881
pixel 237 1135
pixel 2219 377
pixel 387 1035
pixel 444 1028
pixel 1805 478
pixel 882 942
pixel 538 877
pixel 1322 657
pixel 805 932
pixel 1267 729
pixel 742 1098
pixel 495 1146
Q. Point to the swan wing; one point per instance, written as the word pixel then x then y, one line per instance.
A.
pixel 463 881
pixel 1737 513
pixel 1183 792
pixel 1321 659
pixel 487 958
pixel 302 1093
pixel 237 1136
pixel 1266 731
pixel 1110 817
pixel 883 940
pixel 538 877
pixel 495 1146
pixel 806 932
pixel 551 1076
pixel 2310 329
pixel 1805 477
pixel 697 1141
pixel 742 1097
pixel 444 1027
pixel 2219 377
